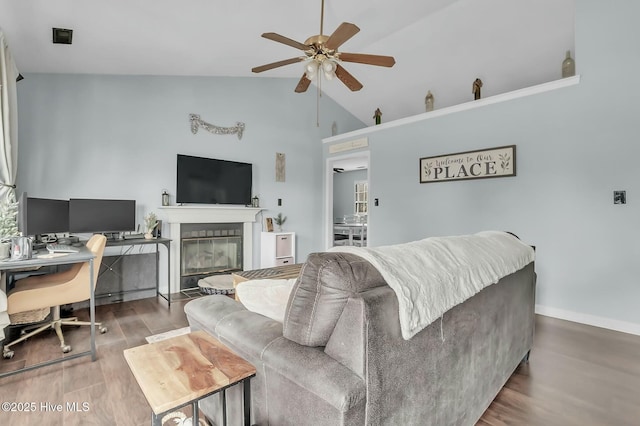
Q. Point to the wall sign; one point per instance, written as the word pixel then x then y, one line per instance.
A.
pixel 484 163
pixel 197 122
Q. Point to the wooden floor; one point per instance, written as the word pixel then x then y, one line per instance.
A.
pixel 577 375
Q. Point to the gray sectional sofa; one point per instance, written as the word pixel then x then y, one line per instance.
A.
pixel 340 359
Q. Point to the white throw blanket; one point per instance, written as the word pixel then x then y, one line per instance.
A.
pixel 433 275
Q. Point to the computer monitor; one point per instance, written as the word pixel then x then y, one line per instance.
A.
pixel 97 215
pixel 38 216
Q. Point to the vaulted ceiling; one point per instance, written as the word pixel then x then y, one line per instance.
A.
pixel 439 45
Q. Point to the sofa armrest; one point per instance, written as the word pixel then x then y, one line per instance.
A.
pixel 245 332
pixel 259 340
pixel 204 313
pixel 315 371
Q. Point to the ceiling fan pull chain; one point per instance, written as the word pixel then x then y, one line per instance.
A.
pixel 318 103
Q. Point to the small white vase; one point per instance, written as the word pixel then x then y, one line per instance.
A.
pixel 148 236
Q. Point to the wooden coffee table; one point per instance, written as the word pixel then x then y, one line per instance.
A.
pixel 182 370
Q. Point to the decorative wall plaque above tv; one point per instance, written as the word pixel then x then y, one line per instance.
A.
pixel 212 181
pixel 484 163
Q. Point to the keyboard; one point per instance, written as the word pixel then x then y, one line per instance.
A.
pixel 61 248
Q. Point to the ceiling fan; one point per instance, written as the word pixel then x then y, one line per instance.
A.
pixel 321 55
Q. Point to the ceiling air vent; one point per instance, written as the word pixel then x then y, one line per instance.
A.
pixel 62 36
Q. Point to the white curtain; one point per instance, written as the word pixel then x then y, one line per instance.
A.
pixel 8 147
pixel 8 123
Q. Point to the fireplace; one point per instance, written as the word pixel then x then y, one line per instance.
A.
pixel 207 240
pixel 208 249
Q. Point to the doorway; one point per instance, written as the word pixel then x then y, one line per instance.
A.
pixel 346 199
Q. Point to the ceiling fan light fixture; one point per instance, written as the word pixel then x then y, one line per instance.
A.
pixel 329 67
pixel 311 69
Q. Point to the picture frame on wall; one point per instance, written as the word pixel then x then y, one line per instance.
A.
pixel 268 222
pixel 478 164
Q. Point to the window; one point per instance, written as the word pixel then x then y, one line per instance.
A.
pixel 361 197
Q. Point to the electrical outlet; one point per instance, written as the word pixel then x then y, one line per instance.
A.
pixel 375 202
pixel 279 201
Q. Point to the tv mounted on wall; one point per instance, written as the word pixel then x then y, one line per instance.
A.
pixel 211 181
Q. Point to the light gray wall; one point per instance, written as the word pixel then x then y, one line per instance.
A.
pixel 100 136
pixel 575 146
pixel 344 191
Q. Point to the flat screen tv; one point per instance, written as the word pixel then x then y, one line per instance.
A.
pixel 210 181
pixel 99 215
pixel 39 216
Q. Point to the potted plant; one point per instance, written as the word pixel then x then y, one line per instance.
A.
pixel 280 220
pixel 150 223
pixel 8 226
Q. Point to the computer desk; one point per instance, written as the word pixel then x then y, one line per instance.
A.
pixel 140 242
pixel 83 255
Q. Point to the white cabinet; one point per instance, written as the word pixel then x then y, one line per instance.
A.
pixel 277 249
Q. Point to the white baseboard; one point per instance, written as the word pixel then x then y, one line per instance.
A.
pixel 611 324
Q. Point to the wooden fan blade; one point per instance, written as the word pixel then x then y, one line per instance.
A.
pixel 348 80
pixel 363 58
pixel 303 84
pixel 285 40
pixel 276 64
pixel 343 33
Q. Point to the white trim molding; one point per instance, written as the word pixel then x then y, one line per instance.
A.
pixel 608 323
pixel 502 97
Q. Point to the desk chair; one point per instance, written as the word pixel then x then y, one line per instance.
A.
pixel 53 290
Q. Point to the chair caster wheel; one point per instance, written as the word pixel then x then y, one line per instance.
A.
pixel 8 354
pixel 66 349
pixel 103 330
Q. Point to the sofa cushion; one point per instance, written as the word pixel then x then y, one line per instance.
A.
pixel 326 282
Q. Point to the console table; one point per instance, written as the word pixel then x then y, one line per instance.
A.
pixel 277 272
pixel 142 242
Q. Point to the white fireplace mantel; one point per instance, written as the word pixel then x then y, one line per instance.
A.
pixel 207 214
pixel 173 216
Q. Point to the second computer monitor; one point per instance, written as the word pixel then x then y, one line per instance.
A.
pixel 98 215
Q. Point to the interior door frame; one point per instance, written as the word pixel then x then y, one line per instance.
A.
pixel 328 197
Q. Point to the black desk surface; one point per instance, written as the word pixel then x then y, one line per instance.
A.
pixel 137 241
